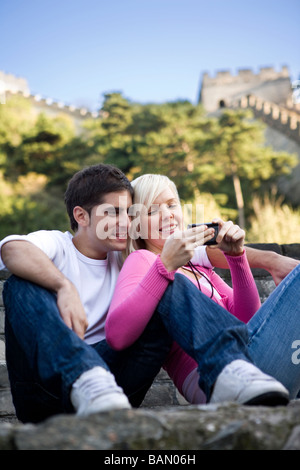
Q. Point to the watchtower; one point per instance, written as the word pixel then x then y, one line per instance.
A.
pixel 224 89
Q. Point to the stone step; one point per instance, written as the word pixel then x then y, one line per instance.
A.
pixel 1 309
pixel 6 406
pixel 7 411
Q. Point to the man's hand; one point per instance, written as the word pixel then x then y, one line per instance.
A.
pixel 71 308
pixel 277 265
pixel 281 266
pixel 29 262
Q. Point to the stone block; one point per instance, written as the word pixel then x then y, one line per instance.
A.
pixel 4 381
pixel 265 286
pixel 6 405
pixel 2 322
pixel 292 250
pixel 203 427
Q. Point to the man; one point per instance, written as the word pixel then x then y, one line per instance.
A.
pixel 57 357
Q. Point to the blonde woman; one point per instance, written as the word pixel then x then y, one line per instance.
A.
pixel 208 327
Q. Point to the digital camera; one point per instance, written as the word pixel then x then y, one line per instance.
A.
pixel 209 225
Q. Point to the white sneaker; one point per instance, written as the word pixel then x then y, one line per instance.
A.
pixel 95 391
pixel 241 382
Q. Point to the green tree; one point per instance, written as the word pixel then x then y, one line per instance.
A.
pixel 16 119
pixel 150 138
pixel 109 137
pixel 177 139
pixel 234 148
pixel 28 204
pixel 167 143
pixel 39 148
pixel 38 155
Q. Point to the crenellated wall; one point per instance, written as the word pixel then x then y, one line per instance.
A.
pixel 284 119
pixel 9 82
pixel 11 85
pixel 244 75
pixel 53 108
pixel 225 88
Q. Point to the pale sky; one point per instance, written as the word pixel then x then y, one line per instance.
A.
pixel 152 51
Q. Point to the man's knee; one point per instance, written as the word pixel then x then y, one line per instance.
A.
pixel 17 289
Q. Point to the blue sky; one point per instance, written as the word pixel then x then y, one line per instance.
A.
pixel 150 50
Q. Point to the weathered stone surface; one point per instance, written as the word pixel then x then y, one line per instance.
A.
pixel 293 442
pixel 291 250
pixel 205 427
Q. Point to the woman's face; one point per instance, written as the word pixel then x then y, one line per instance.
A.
pixel 162 220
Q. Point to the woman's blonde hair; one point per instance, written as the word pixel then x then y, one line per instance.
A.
pixel 146 189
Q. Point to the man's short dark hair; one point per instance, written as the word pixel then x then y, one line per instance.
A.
pixel 88 187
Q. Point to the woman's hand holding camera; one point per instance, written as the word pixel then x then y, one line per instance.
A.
pixel 230 238
pixel 179 247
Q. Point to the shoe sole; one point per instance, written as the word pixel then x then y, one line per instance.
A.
pixel 269 399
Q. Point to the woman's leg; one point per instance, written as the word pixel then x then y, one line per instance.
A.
pixel 136 367
pixel 44 357
pixel 204 330
pixel 275 333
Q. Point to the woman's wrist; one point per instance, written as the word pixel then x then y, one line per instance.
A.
pixel 166 262
pixel 163 270
pixel 234 254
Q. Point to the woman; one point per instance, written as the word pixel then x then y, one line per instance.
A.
pixel 162 248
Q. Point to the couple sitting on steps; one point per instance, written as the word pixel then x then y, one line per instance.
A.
pixel 87 332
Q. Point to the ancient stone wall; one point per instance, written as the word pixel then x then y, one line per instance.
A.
pixel 286 121
pixel 11 85
pixel 224 88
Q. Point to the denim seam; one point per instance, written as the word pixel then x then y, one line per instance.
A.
pixel 260 327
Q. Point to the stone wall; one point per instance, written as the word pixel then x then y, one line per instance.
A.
pixel 12 85
pixel 224 88
pixel 54 109
pixel 9 82
pixel 286 121
pixel 282 133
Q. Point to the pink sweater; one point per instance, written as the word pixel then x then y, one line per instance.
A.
pixel 142 283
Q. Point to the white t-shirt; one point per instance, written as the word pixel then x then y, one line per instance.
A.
pixel 95 280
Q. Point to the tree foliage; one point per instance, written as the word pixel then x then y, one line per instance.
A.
pixel 223 155
pixel 234 147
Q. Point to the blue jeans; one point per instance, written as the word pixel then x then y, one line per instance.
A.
pixel 213 337
pixel 45 352
pixel 44 357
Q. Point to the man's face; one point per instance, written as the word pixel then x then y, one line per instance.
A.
pixel 109 221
